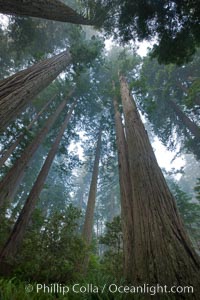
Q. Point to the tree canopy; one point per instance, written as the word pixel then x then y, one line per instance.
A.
pixel 173 25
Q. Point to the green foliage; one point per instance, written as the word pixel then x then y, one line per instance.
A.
pixel 190 213
pixel 161 85
pixel 84 52
pixel 113 255
pixel 59 246
pixel 174 24
pixel 53 247
pixel 32 39
pixel 194 93
pixel 197 190
pixel 16 290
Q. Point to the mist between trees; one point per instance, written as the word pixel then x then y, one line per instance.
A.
pixel 82 196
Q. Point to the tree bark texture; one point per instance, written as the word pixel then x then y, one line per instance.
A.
pixel 89 215
pixel 191 126
pixel 6 153
pixel 19 89
pixel 10 183
pixel 46 9
pixel 125 191
pixel 162 252
pixel 23 220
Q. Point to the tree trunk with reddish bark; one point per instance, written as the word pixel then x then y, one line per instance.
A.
pixel 18 232
pixel 19 89
pixel 12 180
pixel 46 9
pixel 6 153
pixel 162 252
pixel 125 190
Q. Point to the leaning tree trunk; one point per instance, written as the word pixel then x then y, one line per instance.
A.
pixel 19 89
pixel 17 234
pixel 6 153
pixel 89 215
pixel 186 91
pixel 125 191
pixel 12 180
pixel 162 251
pixel 191 126
pixel 46 9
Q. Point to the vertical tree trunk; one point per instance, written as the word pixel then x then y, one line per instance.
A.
pixel 11 181
pixel 191 126
pixel 81 195
pixel 46 9
pixel 17 234
pixel 111 207
pixel 125 191
pixel 6 154
pixel 162 251
pixel 89 215
pixel 19 89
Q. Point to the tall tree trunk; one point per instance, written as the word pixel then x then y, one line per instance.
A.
pixel 19 89
pixel 6 154
pixel 81 195
pixel 191 126
pixel 89 215
pixel 17 234
pixel 11 181
pixel 46 9
pixel 162 251
pixel 112 206
pixel 125 191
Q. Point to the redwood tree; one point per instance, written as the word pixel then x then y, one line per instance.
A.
pixel 46 9
pixel 89 215
pixel 19 89
pixel 19 228
pixel 162 252
pixel 125 190
pixel 10 183
pixel 5 154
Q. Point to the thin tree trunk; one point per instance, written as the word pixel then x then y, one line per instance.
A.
pixel 10 183
pixel 111 206
pixel 81 195
pixel 46 9
pixel 18 232
pixel 162 251
pixel 6 153
pixel 196 100
pixel 191 126
pixel 19 89
pixel 125 191
pixel 89 215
